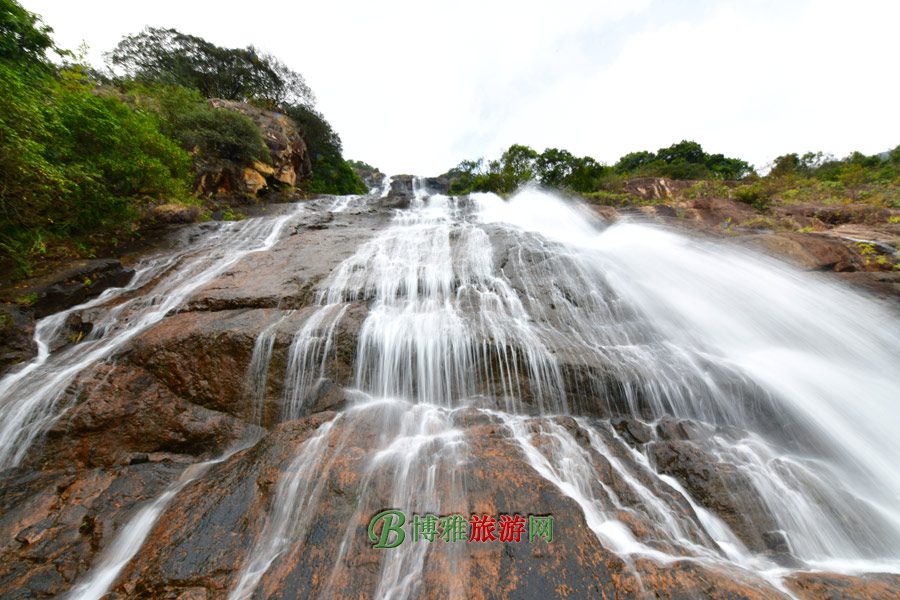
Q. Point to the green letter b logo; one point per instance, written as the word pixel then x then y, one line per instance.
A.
pixel 393 521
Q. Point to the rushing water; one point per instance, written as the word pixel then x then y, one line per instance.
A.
pixel 524 310
pixel 30 399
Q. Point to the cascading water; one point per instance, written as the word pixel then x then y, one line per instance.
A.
pixel 30 397
pixel 603 356
pixel 647 324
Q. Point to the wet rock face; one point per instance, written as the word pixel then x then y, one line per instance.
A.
pixel 831 586
pixel 123 412
pixel 16 336
pixel 81 280
pixel 204 356
pixel 719 487
pixel 203 542
pixel 182 391
pixel 53 522
pixel 203 539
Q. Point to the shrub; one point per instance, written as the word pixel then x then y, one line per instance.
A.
pixel 74 162
pixel 331 173
pixel 755 194
pixel 221 133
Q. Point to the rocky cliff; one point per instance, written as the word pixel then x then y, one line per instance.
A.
pixel 283 138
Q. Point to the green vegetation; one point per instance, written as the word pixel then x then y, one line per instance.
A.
pixel 812 177
pixel 331 173
pixel 684 160
pixel 243 74
pixel 83 155
pixel 210 134
pixel 816 178
pixel 520 164
pixel 72 162
pixel 561 169
pixel 27 300
pixel 162 58
pixel 362 166
pixel 230 215
pixel 25 38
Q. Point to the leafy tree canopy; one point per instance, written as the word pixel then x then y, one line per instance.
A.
pixel 24 39
pixel 331 173
pixel 242 74
pixel 362 166
pixel 684 160
pixel 520 164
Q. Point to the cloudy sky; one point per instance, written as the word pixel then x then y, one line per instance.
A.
pixel 418 86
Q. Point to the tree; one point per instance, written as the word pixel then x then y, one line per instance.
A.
pixel 24 39
pixel 331 173
pixel 554 166
pixel 728 168
pixel 242 74
pixel 587 175
pixel 633 161
pixel 464 176
pixel 684 160
pixel 517 166
pixel 683 151
pixel 786 164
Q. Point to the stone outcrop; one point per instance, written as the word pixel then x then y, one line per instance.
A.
pixel 287 147
pixel 655 188
pixel 810 252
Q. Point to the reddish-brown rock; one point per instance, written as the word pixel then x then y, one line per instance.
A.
pixel 831 586
pixel 808 251
pixel 120 412
pixel 54 523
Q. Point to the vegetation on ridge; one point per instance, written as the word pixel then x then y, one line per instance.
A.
pixel 812 177
pixel 83 154
pixel 561 169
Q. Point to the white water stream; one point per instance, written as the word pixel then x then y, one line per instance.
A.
pixel 526 309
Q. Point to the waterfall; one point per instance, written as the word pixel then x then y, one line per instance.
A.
pixel 30 398
pixel 599 355
pixel 525 309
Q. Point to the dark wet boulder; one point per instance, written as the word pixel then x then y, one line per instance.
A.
pixel 55 523
pixel 16 336
pixel 718 486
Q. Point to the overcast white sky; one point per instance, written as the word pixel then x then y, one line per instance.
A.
pixel 417 86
